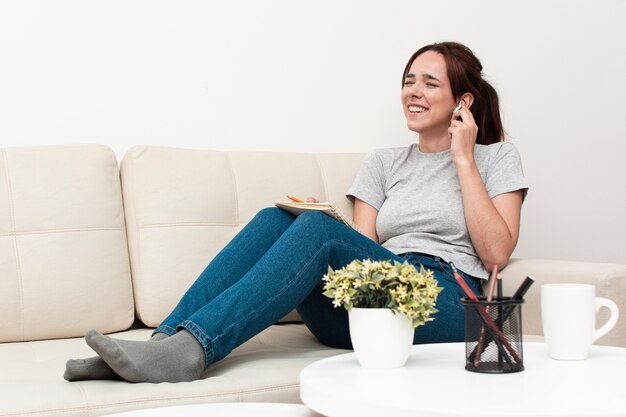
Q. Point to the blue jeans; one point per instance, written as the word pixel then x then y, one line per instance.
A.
pixel 274 265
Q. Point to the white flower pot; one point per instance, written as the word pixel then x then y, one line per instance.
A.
pixel 380 338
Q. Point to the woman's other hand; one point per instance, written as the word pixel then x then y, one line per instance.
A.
pixel 311 200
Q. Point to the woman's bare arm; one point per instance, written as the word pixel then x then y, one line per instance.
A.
pixel 365 219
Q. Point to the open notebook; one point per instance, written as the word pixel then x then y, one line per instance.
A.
pixel 327 208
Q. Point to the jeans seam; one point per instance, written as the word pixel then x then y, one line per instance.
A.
pixel 165 329
pixel 419 260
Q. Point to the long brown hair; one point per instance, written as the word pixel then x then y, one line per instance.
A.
pixel 464 73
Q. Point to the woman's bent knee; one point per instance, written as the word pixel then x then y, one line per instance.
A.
pixel 273 212
pixel 315 218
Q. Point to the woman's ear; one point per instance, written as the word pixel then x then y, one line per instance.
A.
pixel 467 99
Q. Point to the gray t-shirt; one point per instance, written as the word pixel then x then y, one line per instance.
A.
pixel 419 202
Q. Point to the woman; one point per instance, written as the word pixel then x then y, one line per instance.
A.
pixel 454 196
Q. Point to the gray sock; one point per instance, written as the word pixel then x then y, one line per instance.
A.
pixel 175 359
pixel 95 367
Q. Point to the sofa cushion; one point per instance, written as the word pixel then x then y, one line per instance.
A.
pixel 183 206
pixel 264 369
pixel 63 255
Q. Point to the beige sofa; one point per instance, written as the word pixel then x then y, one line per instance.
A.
pixel 84 245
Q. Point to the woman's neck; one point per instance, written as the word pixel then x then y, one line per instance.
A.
pixel 434 143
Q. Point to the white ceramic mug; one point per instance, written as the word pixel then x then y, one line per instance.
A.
pixel 568 317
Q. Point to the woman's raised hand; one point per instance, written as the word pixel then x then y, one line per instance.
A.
pixel 463 131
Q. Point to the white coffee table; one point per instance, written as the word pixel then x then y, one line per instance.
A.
pixel 434 382
pixel 225 410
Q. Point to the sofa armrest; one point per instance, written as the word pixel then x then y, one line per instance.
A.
pixel 609 279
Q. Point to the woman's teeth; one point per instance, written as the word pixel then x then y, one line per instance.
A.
pixel 417 109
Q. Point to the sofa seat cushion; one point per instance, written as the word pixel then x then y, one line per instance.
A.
pixel 64 264
pixel 264 369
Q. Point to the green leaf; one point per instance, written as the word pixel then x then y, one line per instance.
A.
pixel 378 276
pixel 329 293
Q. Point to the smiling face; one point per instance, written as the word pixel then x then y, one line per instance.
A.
pixel 427 99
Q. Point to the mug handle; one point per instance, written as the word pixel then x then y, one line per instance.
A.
pixel 605 302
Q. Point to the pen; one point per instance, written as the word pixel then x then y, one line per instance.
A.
pixel 486 318
pixel 294 199
pixel 500 320
pixel 481 339
pixel 518 295
pixel 523 288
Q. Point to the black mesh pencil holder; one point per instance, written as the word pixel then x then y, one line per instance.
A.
pixel 493 335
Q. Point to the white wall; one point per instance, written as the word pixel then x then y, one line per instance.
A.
pixel 325 76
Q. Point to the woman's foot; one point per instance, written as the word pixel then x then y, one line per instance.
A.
pixel 175 359
pixel 90 368
pixel 95 367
